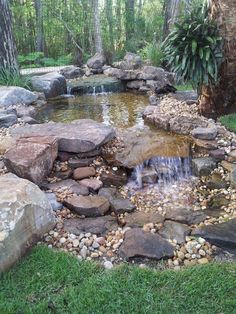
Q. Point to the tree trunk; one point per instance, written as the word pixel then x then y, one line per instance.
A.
pixel 39 25
pixel 109 16
pixel 129 19
pixel 8 54
pixel 223 95
pixel 97 27
pixel 171 11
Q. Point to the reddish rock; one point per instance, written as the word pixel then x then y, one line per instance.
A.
pixel 92 184
pixel 218 154
pixel 88 206
pixel 32 158
pixel 84 172
pixel 115 178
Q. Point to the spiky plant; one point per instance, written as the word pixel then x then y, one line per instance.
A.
pixel 193 49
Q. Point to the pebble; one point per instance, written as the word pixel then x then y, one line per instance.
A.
pixel 108 265
pixel 203 261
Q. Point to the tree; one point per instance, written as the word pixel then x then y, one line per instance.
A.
pixel 129 20
pixel 109 16
pixel 97 27
pixel 171 11
pixel 39 25
pixel 8 53
pixel 219 98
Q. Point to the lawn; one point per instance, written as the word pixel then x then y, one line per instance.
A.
pixel 229 121
pixel 51 282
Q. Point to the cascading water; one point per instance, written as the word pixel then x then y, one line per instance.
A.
pixel 167 169
pixel 94 90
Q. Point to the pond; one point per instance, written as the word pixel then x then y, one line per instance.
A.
pixel 121 110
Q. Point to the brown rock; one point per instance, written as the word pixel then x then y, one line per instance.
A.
pixel 89 206
pixel 115 178
pixel 32 158
pixel 207 145
pixel 77 163
pixel 84 172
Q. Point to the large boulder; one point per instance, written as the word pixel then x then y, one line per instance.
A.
pixel 25 215
pixel 152 73
pixel 138 243
pixel 131 62
pixel 71 72
pixel 12 95
pixel 97 62
pixel 32 158
pixel 81 136
pixel 51 84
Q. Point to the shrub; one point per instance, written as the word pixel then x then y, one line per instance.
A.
pixel 193 49
pixel 152 52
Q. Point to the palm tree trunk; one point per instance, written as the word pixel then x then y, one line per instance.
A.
pixel 223 96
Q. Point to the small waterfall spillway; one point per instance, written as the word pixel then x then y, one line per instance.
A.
pixel 161 171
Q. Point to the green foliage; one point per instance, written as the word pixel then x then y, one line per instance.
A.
pixel 229 121
pixel 153 53
pixel 193 49
pixel 37 59
pixel 8 78
pixel 53 282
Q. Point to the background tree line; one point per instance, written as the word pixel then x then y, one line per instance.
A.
pixel 69 31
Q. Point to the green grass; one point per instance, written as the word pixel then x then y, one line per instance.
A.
pixel 50 282
pixel 229 121
pixel 8 78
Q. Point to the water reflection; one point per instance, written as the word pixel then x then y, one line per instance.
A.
pixel 119 109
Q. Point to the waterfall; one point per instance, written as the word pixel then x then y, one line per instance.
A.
pixel 68 90
pixel 167 169
pixel 94 90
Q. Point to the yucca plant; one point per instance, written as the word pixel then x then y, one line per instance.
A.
pixel 193 49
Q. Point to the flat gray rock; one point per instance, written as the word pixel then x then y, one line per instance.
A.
pixel 138 243
pixel 222 235
pixel 99 225
pixel 208 133
pixel 173 230
pixel 12 95
pixel 140 218
pixel 69 184
pixel 81 136
pixel 185 216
